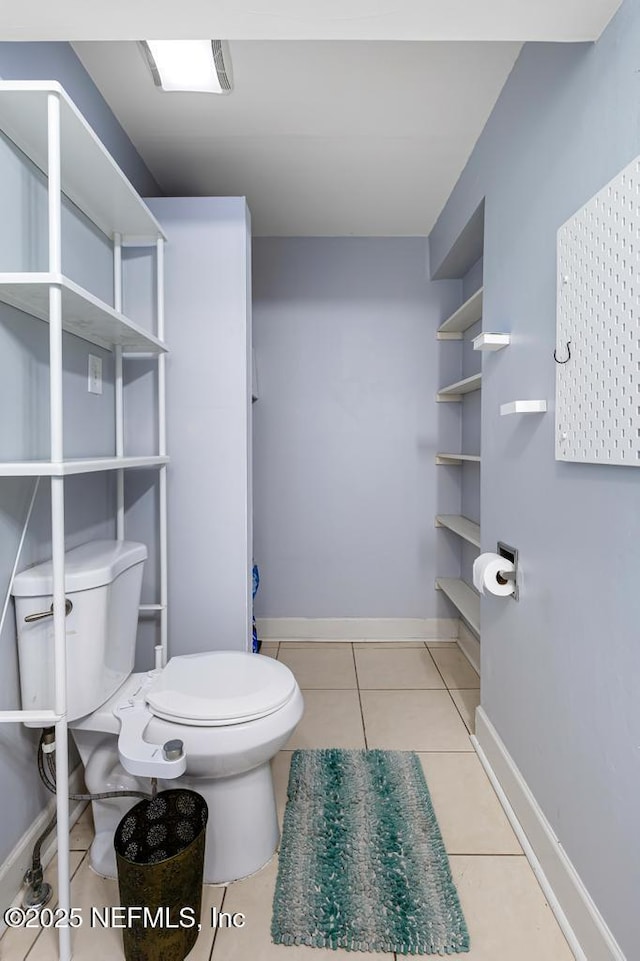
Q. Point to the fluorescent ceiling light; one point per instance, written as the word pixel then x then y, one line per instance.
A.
pixel 199 66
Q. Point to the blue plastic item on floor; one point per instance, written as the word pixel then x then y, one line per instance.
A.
pixel 256 644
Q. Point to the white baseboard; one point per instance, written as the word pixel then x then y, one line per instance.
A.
pixel 357 628
pixel 470 646
pixel 13 870
pixel 582 924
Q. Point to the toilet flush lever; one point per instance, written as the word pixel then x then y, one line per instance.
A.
pixel 68 607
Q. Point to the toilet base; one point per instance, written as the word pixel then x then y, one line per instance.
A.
pixel 242 830
pixel 228 765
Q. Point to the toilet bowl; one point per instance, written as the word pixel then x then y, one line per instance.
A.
pixel 228 747
pixel 232 710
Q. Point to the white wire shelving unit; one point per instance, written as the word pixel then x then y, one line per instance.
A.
pixel 46 126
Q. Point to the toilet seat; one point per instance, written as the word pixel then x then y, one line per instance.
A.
pixel 219 688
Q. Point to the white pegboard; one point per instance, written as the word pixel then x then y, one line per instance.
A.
pixel 598 390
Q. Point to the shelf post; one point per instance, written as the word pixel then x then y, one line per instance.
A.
pixel 119 386
pixel 161 655
pixel 57 517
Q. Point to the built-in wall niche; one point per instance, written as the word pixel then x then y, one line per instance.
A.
pixel 463 326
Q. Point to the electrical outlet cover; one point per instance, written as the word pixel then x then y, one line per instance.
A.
pixel 95 374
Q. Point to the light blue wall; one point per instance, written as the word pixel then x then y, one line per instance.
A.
pixel 561 668
pixel 346 428
pixel 24 386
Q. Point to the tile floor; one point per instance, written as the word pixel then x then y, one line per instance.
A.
pixel 413 696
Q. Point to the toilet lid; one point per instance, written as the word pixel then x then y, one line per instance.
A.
pixel 221 687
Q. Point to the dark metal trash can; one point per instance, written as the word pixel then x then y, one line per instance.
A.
pixel 160 856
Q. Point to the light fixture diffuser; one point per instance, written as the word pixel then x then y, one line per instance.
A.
pixel 194 66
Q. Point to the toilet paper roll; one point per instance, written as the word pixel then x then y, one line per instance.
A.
pixel 486 571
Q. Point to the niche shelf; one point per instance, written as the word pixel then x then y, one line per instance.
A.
pixel 467 529
pixel 491 342
pixel 466 316
pixel 457 458
pixel 463 597
pixel 524 407
pixel 454 392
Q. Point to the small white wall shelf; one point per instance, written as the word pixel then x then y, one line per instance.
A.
pixel 457 458
pixel 466 316
pixel 82 314
pixel 524 407
pixel 464 598
pixel 491 342
pixel 466 529
pixel 454 392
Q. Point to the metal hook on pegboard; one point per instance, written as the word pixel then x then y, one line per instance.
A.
pixel 555 355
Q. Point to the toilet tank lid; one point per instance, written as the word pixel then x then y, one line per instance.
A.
pixel 90 565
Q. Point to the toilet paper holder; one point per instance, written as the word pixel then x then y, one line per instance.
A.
pixel 511 554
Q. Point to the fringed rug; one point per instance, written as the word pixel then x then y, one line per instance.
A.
pixel 362 861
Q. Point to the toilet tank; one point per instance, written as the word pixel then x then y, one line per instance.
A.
pixel 103 580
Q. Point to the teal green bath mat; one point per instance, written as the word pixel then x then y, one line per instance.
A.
pixel 362 861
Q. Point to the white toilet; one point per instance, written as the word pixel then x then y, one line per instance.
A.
pixel 232 710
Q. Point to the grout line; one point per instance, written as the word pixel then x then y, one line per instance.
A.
pixel 414 750
pixel 466 726
pixel 215 932
pixel 471 733
pixel 32 947
pixel 401 690
pixel 392 690
pixel 435 664
pixel 485 854
pixel 355 667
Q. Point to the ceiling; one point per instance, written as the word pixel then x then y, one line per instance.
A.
pixel 336 125
pixel 561 20
pixel 322 137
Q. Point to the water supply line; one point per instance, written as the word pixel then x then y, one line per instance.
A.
pixel 38 891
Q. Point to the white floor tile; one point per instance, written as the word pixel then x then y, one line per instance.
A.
pixel 469 814
pixel 331 719
pixel 455 668
pixel 506 912
pixel 405 668
pixel 413 721
pixel 81 834
pixel 321 668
